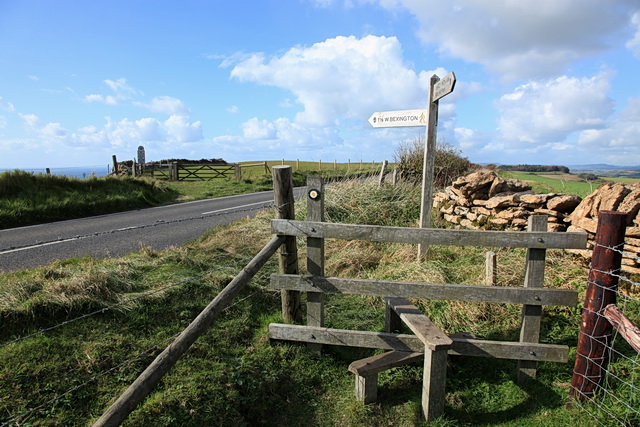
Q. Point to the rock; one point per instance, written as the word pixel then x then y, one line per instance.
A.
pixel 586 206
pixel 563 203
pixel 482 211
pixel 633 232
pixel 454 219
pixel 503 202
pixel 556 227
pixel 586 224
pixel 548 212
pixel 611 195
pixel 467 223
pixel 474 182
pixel 533 200
pixel 499 221
pixel 631 205
pixel 512 213
pixel 461 210
pixel 501 185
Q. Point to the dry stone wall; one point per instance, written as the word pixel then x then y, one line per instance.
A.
pixel 483 200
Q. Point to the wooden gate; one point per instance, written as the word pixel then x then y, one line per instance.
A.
pixel 428 342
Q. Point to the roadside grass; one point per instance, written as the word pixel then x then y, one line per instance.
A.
pixel 28 199
pixel 234 375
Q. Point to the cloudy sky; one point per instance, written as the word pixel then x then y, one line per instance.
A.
pixel 538 81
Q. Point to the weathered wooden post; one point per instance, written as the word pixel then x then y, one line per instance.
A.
pixel 490 269
pixel 315 255
pixel 237 171
pixel 531 314
pixel 383 170
pixel 115 164
pixel 146 382
pixel 284 200
pixel 594 341
pixel 173 174
pixel 438 88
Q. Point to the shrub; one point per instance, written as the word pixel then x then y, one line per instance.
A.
pixel 449 164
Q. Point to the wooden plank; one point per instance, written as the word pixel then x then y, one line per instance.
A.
pixel 532 314
pixel 431 236
pixel 433 383
pixel 435 291
pixel 288 260
pixel 624 325
pixel 382 362
pixel 433 337
pixel 315 255
pixel 146 382
pixel 411 343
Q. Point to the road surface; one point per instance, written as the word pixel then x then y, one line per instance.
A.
pixel 118 234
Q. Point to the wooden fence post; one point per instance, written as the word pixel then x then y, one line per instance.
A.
pixel 490 269
pixel 283 197
pixel 237 171
pixel 173 174
pixel 594 340
pixel 315 255
pixel 382 172
pixel 531 314
pixel 115 164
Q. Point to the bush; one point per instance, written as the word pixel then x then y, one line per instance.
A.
pixel 449 164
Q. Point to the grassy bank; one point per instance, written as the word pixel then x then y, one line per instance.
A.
pixel 27 198
pixel 234 375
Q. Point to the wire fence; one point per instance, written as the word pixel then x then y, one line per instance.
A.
pixel 48 406
pixel 610 379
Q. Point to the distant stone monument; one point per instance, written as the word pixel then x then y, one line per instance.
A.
pixel 141 156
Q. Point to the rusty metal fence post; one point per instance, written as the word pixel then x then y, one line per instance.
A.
pixel 593 352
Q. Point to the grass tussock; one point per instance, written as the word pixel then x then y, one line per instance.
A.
pixel 233 375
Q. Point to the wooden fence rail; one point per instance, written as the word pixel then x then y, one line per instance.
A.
pixel 428 340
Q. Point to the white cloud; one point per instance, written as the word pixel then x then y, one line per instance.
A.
pixel 165 105
pixel 31 120
pixel 6 106
pixel 618 143
pixel 539 113
pixel 341 78
pixel 103 99
pixel 634 44
pixel 524 38
pixel 181 131
pixel 122 91
pixel 233 109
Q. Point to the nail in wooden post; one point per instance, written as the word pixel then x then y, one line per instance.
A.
pixel 283 197
pixel 594 341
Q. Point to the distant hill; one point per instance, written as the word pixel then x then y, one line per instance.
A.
pixel 601 167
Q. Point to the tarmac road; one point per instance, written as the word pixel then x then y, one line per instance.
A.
pixel 118 234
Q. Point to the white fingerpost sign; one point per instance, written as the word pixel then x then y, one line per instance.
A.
pixel 438 88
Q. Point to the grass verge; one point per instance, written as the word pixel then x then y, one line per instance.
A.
pixel 233 375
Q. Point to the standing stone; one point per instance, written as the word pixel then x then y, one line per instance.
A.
pixel 141 156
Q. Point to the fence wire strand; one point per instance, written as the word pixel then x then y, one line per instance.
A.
pixel 615 399
pixel 23 417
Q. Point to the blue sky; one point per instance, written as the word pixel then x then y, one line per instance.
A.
pixel 538 81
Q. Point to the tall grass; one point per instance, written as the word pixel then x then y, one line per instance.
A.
pixel 27 198
pixel 234 375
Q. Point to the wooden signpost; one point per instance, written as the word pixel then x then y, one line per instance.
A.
pixel 438 88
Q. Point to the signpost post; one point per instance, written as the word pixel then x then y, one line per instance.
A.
pixel 438 88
